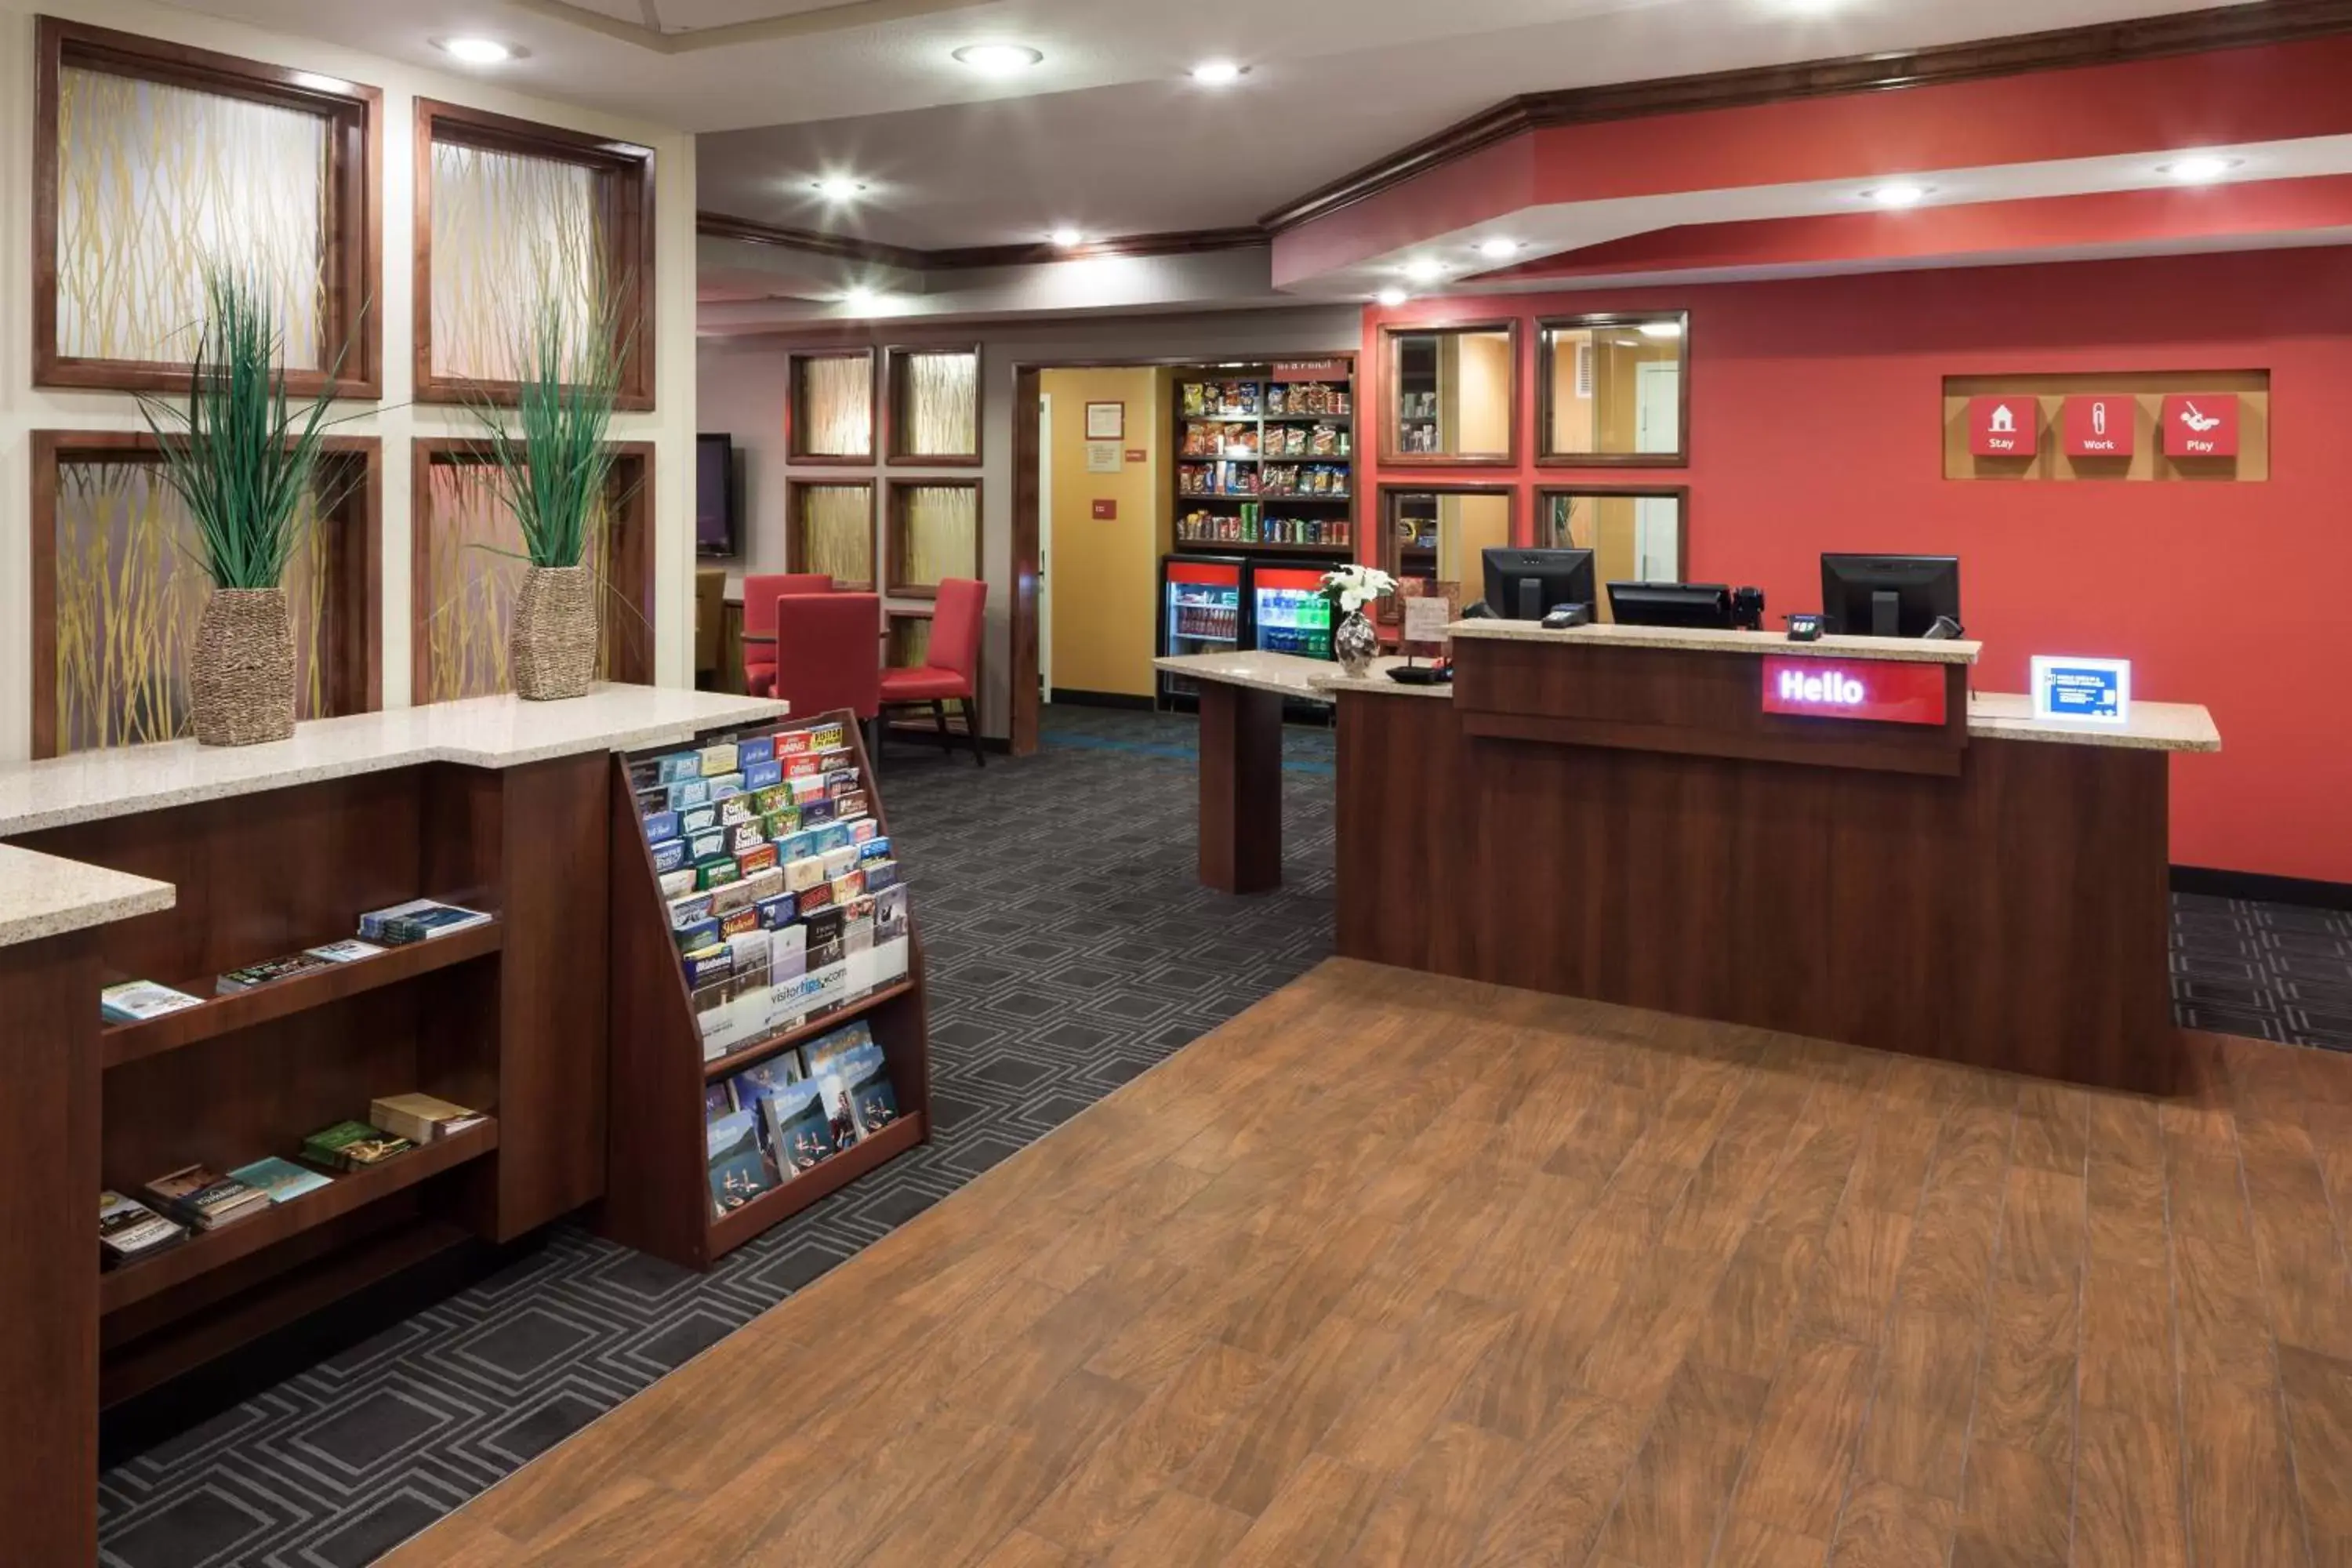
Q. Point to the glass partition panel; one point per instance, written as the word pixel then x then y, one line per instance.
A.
pixel 1635 535
pixel 1441 535
pixel 1452 393
pixel 1612 389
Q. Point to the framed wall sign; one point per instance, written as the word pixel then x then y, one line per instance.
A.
pixel 2098 425
pixel 2200 425
pixel 1105 421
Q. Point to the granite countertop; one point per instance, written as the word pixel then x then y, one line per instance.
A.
pixel 484 733
pixel 1376 681
pixel 1290 674
pixel 2153 727
pixel 41 895
pixel 1702 639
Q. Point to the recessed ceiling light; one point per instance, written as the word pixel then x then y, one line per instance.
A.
pixel 1218 73
pixel 1900 194
pixel 1067 237
pixel 999 60
pixel 1497 249
pixel 479 51
pixel 859 297
pixel 1391 298
pixel 838 188
pixel 2199 166
pixel 1424 268
pixel 1662 329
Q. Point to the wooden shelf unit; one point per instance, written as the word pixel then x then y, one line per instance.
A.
pixel 659 1198
pixel 122 1043
pixel 493 1017
pixel 1338 371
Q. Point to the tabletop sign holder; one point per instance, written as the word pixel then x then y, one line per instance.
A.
pixel 1429 608
pixel 657 1188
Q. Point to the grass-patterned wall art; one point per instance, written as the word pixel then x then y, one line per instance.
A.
pixel 119 583
pixel 468 565
pixel 151 158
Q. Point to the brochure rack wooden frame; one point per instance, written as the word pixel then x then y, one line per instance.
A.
pixel 659 1196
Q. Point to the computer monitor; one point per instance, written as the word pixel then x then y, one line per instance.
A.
pixel 1671 605
pixel 1523 584
pixel 1889 595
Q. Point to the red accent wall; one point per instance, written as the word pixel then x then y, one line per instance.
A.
pixel 1816 424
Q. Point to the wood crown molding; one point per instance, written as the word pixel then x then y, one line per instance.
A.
pixel 1178 242
pixel 2111 42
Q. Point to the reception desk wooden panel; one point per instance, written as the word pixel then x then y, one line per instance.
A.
pixel 2005 905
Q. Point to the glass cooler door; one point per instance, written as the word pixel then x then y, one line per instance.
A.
pixel 1288 611
pixel 1201 611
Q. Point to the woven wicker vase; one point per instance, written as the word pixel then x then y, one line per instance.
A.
pixel 241 674
pixel 552 644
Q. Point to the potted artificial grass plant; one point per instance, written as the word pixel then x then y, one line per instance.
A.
pixel 244 461
pixel 552 471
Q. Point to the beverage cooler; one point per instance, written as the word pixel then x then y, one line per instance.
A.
pixel 1201 610
pixel 1288 612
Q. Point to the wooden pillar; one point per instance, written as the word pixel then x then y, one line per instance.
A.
pixel 1241 788
pixel 48 1250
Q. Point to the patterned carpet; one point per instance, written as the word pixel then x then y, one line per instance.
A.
pixel 1070 949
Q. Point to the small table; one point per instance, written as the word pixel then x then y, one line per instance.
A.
pixel 1242 696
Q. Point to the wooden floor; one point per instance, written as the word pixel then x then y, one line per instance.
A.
pixel 1394 1269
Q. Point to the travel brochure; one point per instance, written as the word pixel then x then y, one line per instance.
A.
pixel 783 892
pixel 784 1115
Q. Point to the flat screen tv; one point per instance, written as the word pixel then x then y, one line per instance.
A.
pixel 714 495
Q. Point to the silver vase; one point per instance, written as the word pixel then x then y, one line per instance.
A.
pixel 1355 643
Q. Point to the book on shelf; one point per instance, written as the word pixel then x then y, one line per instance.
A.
pixel 419 919
pixel 282 1180
pixel 268 971
pixel 740 1167
pixel 351 950
pixel 353 1146
pixel 129 1230
pixel 136 1001
pixel 421 1118
pixel 204 1198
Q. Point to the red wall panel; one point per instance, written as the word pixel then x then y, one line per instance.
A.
pixel 1816 424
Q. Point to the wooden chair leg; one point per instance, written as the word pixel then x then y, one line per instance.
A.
pixel 939 719
pixel 972 732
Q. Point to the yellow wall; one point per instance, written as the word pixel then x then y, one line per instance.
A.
pixel 1103 577
pixel 1468 526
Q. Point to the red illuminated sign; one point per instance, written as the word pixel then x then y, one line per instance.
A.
pixel 2003 427
pixel 2098 425
pixel 2200 425
pixel 1881 689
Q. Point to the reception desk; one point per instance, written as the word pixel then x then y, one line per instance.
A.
pixel 1621 813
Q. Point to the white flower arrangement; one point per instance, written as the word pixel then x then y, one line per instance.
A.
pixel 1355 587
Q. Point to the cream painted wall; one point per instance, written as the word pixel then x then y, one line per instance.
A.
pixel 24 408
pixel 742 394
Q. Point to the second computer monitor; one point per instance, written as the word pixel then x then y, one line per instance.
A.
pixel 1889 595
pixel 1524 584
pixel 1671 605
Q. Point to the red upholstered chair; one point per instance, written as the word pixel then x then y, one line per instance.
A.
pixel 760 596
pixel 953 662
pixel 829 654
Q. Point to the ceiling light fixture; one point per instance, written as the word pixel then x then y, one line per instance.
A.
pixel 1497 250
pixel 1391 298
pixel 999 60
pixel 859 297
pixel 1067 238
pixel 838 188
pixel 1901 193
pixel 477 51
pixel 1218 73
pixel 1424 269
pixel 1662 329
pixel 2198 167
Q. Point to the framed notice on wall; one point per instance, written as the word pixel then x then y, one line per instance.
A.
pixel 1105 421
